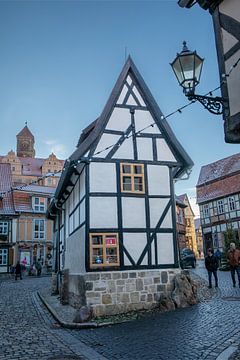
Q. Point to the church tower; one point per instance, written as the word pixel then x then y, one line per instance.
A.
pixel 25 143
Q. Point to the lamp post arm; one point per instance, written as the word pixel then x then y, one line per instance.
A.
pixel 214 105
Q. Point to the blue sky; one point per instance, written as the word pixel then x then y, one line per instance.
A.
pixel 60 60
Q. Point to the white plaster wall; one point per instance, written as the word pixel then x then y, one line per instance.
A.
pixel 167 222
pixel 144 148
pixel 139 97
pixel 144 119
pixel 122 95
pixel 119 120
pixel 103 177
pixel 82 212
pixel 103 212
pixel 165 249
pixel 153 253
pixel 133 212
pixel 163 151
pixel 157 207
pixel 228 41
pixel 135 244
pixel 131 101
pixel 106 141
pixel 82 184
pixel 125 151
pixel 75 252
pixel 158 180
pixel 230 8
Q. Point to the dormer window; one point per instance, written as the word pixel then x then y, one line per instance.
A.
pixel 39 204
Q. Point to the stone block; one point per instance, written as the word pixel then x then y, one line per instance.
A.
pixel 132 275
pixel 124 275
pixel 149 297
pixel 143 297
pixel 130 287
pixel 92 277
pixel 152 288
pixel 120 289
pixel 124 298
pixel 106 276
pixel 141 274
pixel 120 282
pixel 148 281
pixel 161 288
pixel 93 294
pixel 106 299
pixel 134 296
pixel 139 284
pixel 89 286
pixel 164 277
pixel 116 276
pixel 101 289
pixel 111 286
pixel 156 280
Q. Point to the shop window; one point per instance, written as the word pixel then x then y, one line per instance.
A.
pixel 3 256
pixel 39 229
pixel 104 250
pixel 39 204
pixel 132 178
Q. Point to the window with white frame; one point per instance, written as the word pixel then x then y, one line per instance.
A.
pixel 3 227
pixel 39 229
pixel 3 256
pixel 231 203
pixel 205 210
pixel 39 204
pixel 220 207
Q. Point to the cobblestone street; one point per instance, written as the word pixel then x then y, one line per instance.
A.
pixel 203 331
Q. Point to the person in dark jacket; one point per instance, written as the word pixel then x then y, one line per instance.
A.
pixel 211 263
pixel 18 271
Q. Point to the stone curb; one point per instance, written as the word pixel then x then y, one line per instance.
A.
pixel 72 325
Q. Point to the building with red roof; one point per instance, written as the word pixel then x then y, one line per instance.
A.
pixel 218 196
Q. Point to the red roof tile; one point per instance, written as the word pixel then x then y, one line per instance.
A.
pixel 219 169
pixel 220 188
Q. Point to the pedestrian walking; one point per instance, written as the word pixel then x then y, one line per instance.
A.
pixel 39 267
pixel 211 264
pixel 233 257
pixel 18 271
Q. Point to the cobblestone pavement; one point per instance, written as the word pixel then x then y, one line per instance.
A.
pixel 204 331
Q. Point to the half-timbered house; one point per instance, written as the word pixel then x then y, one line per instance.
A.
pixel 114 207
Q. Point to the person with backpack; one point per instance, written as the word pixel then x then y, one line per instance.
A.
pixel 233 257
pixel 211 264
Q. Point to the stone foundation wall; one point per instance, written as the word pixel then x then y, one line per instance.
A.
pixel 110 293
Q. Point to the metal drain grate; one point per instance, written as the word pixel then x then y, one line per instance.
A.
pixel 231 298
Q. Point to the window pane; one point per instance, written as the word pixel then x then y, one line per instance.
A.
pixel 126 169
pixel 138 169
pixel 111 255
pixel 127 183
pixel 110 240
pixel 97 240
pixel 138 186
pixel 97 256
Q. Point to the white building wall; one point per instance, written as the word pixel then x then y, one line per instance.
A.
pixel 158 180
pixel 135 244
pixel 133 212
pixel 103 212
pixel 103 177
pixel 75 252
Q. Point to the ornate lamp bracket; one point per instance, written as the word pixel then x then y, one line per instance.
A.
pixel 214 105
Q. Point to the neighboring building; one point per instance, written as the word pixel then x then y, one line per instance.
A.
pixel 115 203
pixel 33 183
pixel 218 196
pixel 7 216
pixel 26 168
pixel 33 231
pixel 226 20
pixel 199 237
pixel 190 236
pixel 181 223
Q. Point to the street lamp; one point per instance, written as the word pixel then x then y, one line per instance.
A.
pixel 188 67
